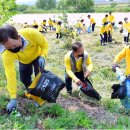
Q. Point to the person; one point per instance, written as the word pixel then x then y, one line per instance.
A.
pixel 125 53
pixel 104 34
pixel 105 20
pixel 111 18
pixel 92 22
pixel 125 29
pixel 109 32
pixel 30 48
pixel 79 26
pixel 35 24
pixel 25 25
pixel 78 65
pixel 44 25
pixel 58 30
pixel 50 23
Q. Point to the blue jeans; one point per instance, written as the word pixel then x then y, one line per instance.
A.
pixel 26 71
pixel 68 80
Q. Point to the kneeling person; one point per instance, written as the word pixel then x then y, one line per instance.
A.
pixel 78 66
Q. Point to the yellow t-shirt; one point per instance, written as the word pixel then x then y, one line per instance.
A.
pixel 37 45
pixel 125 53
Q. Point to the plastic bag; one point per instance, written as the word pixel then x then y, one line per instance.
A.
pixel 48 86
pixel 89 29
pixel 88 90
pixel 125 33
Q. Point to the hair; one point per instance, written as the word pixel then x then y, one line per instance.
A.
pixel 76 46
pixel 89 16
pixel 125 18
pixel 8 31
pixel 59 23
pixel 120 22
pixel 106 15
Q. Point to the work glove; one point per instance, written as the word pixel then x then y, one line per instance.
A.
pixel 41 62
pixel 114 67
pixel 11 105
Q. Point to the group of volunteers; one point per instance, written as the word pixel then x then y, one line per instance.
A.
pixel 29 47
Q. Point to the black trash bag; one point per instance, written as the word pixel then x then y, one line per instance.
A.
pixel 89 90
pixel 48 86
pixel 109 39
pixel 119 91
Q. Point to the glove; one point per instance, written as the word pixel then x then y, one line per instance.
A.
pixel 41 62
pixel 114 67
pixel 11 105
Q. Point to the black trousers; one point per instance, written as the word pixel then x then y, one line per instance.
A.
pixel 58 35
pixel 93 27
pixel 26 71
pixel 68 80
pixel 104 38
pixel 126 39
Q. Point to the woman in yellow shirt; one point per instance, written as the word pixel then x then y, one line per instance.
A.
pixel 58 30
pixel 92 22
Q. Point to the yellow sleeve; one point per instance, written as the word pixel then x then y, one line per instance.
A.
pixel 89 63
pixel 68 67
pixel 10 72
pixel 42 42
pixel 120 56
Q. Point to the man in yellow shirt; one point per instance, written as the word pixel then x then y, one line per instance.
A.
pixel 30 48
pixel 111 19
pixel 50 23
pixel 78 66
pixel 92 22
pixel 104 34
pixel 125 53
pixel 105 19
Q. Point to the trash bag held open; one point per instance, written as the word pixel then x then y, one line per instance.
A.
pixel 48 86
pixel 88 90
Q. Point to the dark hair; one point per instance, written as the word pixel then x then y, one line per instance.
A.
pixel 59 23
pixel 125 18
pixel 106 15
pixel 89 16
pixel 120 22
pixel 8 31
pixel 76 46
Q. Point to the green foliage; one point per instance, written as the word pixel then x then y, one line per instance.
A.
pixel 46 4
pixel 7 9
pixel 76 5
pixel 68 43
pixel 113 4
pixel 66 119
pixel 22 8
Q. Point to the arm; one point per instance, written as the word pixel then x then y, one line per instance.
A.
pixel 120 56
pixel 89 63
pixel 68 67
pixel 10 72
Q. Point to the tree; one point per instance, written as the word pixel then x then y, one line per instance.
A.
pixel 46 4
pixel 76 5
pixel 80 5
pixel 7 6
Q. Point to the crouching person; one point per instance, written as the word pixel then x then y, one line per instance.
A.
pixel 30 48
pixel 78 66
